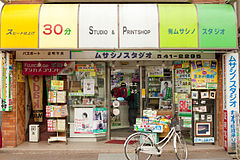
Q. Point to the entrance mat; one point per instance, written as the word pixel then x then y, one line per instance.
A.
pixel 119 141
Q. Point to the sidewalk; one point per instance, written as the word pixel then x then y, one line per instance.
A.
pixel 96 147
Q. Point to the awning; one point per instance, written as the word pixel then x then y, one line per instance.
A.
pixel 118 26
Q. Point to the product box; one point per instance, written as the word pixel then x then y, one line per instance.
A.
pixel 155 128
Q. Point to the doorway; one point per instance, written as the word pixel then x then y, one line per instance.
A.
pixel 125 100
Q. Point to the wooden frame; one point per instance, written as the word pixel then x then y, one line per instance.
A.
pixel 204 95
pixel 205 129
pixel 212 95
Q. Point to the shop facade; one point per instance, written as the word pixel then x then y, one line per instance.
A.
pixel 90 73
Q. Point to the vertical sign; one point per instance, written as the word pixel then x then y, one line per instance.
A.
pixel 98 26
pixel 232 96
pixel 138 26
pixel 225 128
pixel 178 26
pixel 58 26
pixel 19 26
pixel 36 88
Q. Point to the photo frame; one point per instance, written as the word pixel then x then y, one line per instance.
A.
pixel 195 109
pixel 195 102
pixel 194 94
pixel 203 101
pixel 212 95
pixel 203 109
pixel 204 95
pixel 202 129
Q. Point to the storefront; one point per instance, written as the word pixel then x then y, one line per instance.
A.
pixel 91 73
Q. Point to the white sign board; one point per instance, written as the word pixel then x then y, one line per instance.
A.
pixel 138 26
pixel 83 120
pixel 231 77
pixel 98 26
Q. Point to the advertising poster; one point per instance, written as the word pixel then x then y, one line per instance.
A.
pixel 99 120
pixel 36 88
pixel 57 85
pixel 20 76
pixel 83 120
pixel 185 107
pixel 204 74
pixel 88 86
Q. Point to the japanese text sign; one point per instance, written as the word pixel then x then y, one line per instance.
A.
pixel 185 107
pixel 178 26
pixel 98 26
pixel 43 68
pixel 205 73
pixel 213 33
pixel 19 26
pixel 58 26
pixel 232 96
pixel 138 30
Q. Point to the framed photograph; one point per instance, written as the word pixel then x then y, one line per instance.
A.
pixel 202 117
pixel 209 118
pixel 203 129
pixel 212 94
pixel 203 109
pixel 203 101
pixel 194 94
pixel 196 117
pixel 195 102
pixel 204 95
pixel 195 109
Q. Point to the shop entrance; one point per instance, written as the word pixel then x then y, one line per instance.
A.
pixel 125 99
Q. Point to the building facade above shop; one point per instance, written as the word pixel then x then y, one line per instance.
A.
pixel 118 27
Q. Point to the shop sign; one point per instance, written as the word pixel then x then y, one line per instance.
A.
pixel 98 26
pixel 182 73
pixel 22 30
pixel 178 26
pixel 99 120
pixel 138 30
pixel 212 32
pixel 185 107
pixel 138 55
pixel 232 97
pixel 48 68
pixel 116 103
pixel 36 88
pixel 58 26
pixel 204 74
pixel 204 140
pixel 25 55
pixel 7 82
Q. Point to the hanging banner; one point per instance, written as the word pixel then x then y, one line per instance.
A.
pixel 36 88
pixel 7 82
pixel 48 68
pixel 98 26
pixel 231 101
pixel 204 74
pixel 138 30
pixel 83 120
pixel 99 120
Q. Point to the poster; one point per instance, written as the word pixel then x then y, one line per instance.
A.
pixel 57 85
pixel 20 76
pixel 88 86
pixel 83 120
pixel 187 123
pixel 166 90
pixel 99 120
pixel 36 88
pixel 204 74
pixel 185 107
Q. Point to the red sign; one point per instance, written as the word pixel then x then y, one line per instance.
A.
pixel 225 130
pixel 43 68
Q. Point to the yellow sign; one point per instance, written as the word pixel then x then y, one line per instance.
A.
pixel 178 26
pixel 204 74
pixel 19 26
pixel 36 88
pixel 20 76
pixel 57 85
pixel 58 26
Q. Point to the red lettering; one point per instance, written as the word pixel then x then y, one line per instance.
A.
pixel 55 29
pixel 48 28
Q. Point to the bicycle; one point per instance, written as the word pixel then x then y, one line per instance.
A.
pixel 144 146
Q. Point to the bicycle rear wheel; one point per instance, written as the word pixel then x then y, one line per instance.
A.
pixel 134 145
pixel 180 147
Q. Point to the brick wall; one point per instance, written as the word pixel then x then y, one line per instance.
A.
pixel 9 119
pixel 220 103
pixel 20 112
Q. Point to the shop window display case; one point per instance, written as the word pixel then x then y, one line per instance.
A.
pixel 86 98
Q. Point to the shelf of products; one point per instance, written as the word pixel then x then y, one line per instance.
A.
pixel 57 111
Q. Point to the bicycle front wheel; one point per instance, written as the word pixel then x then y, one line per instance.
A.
pixel 180 147
pixel 134 146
